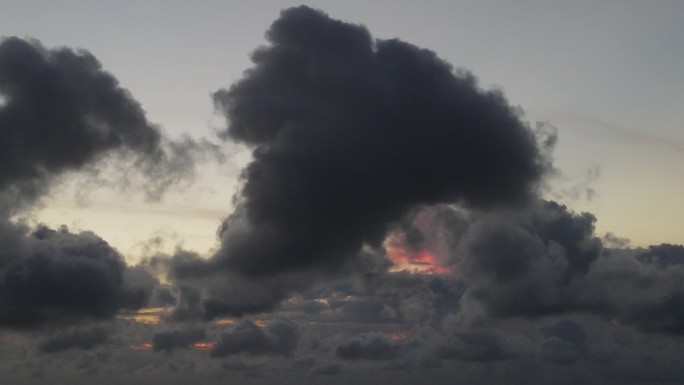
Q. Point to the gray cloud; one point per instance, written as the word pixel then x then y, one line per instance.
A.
pixel 83 339
pixel 170 340
pixel 548 261
pixel 354 140
pixel 566 342
pixel 62 113
pixel 349 134
pixel 61 276
pixel 280 337
pixel 340 124
pixel 527 263
pixel 482 345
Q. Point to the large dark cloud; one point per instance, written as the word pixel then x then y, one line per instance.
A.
pixel 350 133
pixel 359 145
pixel 61 113
pixel 62 276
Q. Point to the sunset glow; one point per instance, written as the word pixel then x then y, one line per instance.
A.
pixel 145 346
pixel 401 335
pixel 204 345
pixel 332 193
pixel 412 261
pixel 146 316
pixel 225 321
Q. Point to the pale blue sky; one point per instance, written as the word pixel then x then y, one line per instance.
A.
pixel 607 74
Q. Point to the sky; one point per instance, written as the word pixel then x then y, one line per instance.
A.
pixel 459 192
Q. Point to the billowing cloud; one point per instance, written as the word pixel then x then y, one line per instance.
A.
pixel 350 133
pixel 548 261
pixel 566 342
pixel 391 212
pixel 62 113
pixel 526 263
pixel 61 276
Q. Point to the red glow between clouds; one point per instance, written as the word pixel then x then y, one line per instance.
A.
pixel 196 346
pixel 414 261
pixel 146 346
pixel 401 335
pixel 204 345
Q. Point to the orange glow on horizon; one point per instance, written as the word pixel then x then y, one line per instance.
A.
pixel 146 316
pixel 401 335
pixel 145 346
pixel 225 321
pixel 422 261
pixel 204 345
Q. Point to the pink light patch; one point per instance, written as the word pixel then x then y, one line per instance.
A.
pixel 420 261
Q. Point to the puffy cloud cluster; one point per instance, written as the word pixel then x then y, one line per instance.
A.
pixel 62 113
pixel 59 276
pixel 349 134
pixel 367 154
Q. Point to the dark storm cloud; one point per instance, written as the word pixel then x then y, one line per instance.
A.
pixel 62 276
pixel 641 289
pixel 164 297
pixel 137 288
pixel 61 112
pixel 484 345
pixel 227 294
pixel 355 142
pixel 527 263
pixel 279 337
pixel 349 134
